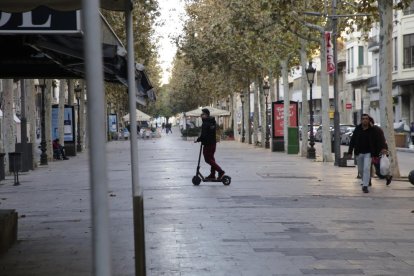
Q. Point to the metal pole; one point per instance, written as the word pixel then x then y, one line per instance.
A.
pixel 137 196
pixel 243 137
pixel 23 129
pixel 311 149
pixel 78 144
pixel 96 128
pixel 335 85
pixel 267 144
pixel 43 155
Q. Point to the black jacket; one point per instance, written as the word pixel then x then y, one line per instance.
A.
pixel 208 131
pixel 354 140
pixel 376 140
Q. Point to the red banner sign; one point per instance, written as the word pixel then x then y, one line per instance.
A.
pixel 330 65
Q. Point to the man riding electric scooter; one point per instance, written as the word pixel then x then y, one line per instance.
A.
pixel 208 140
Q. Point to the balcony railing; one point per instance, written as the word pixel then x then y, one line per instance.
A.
pixel 363 71
pixel 372 82
pixel 408 11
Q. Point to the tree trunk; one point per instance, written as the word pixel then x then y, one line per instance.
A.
pixel 305 104
pixel 61 112
pixel 9 125
pixel 48 119
pixel 326 135
pixel 247 120
pixel 236 112
pixel 71 85
pixel 385 83
pixel 83 112
pixel 286 99
pixel 262 111
pixel 31 116
pixel 256 113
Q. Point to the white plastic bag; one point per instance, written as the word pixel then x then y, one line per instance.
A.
pixel 384 165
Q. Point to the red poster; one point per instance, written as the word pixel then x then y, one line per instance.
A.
pixel 278 117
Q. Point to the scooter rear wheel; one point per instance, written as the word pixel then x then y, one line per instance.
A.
pixel 226 180
pixel 196 180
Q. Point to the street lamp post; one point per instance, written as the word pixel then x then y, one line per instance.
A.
pixel 78 91
pixel 310 74
pixel 266 89
pixel 242 126
pixel 43 155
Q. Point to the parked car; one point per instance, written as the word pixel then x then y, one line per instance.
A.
pixel 314 131
pixel 343 128
pixel 318 135
pixel 347 135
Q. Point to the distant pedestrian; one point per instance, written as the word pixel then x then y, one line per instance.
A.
pixel 412 132
pixel 168 128
pixel 208 139
pixel 162 127
pixel 368 143
pixel 58 150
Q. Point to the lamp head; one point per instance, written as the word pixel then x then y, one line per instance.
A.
pixel 266 88
pixel 78 91
pixel 310 73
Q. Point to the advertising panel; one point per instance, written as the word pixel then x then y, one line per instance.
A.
pixel 278 117
pixel 68 123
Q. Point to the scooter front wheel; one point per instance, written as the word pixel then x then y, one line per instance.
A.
pixel 226 180
pixel 196 180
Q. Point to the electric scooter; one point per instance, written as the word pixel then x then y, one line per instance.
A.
pixel 226 180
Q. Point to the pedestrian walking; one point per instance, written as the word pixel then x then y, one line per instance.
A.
pixel 368 143
pixel 168 128
pixel 412 132
pixel 162 127
pixel 376 160
pixel 208 139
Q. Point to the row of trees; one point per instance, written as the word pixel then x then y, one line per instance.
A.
pixel 228 45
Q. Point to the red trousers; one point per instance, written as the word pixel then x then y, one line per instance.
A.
pixel 208 153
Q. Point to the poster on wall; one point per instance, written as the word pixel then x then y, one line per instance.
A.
pixel 112 123
pixel 68 123
pixel 278 117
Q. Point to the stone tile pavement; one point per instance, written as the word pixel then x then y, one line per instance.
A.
pixel 281 215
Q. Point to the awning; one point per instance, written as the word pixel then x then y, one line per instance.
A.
pixel 55 53
pixel 213 112
pixel 141 116
pixel 61 5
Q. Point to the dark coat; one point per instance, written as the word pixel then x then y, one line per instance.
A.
pixel 376 140
pixel 208 131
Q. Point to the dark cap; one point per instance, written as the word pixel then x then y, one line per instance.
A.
pixel 205 111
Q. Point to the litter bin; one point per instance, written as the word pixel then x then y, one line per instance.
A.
pixel 15 161
pixel 293 140
pixel 2 173
pixel 15 165
pixel 400 140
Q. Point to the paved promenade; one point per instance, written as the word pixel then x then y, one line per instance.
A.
pixel 281 215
